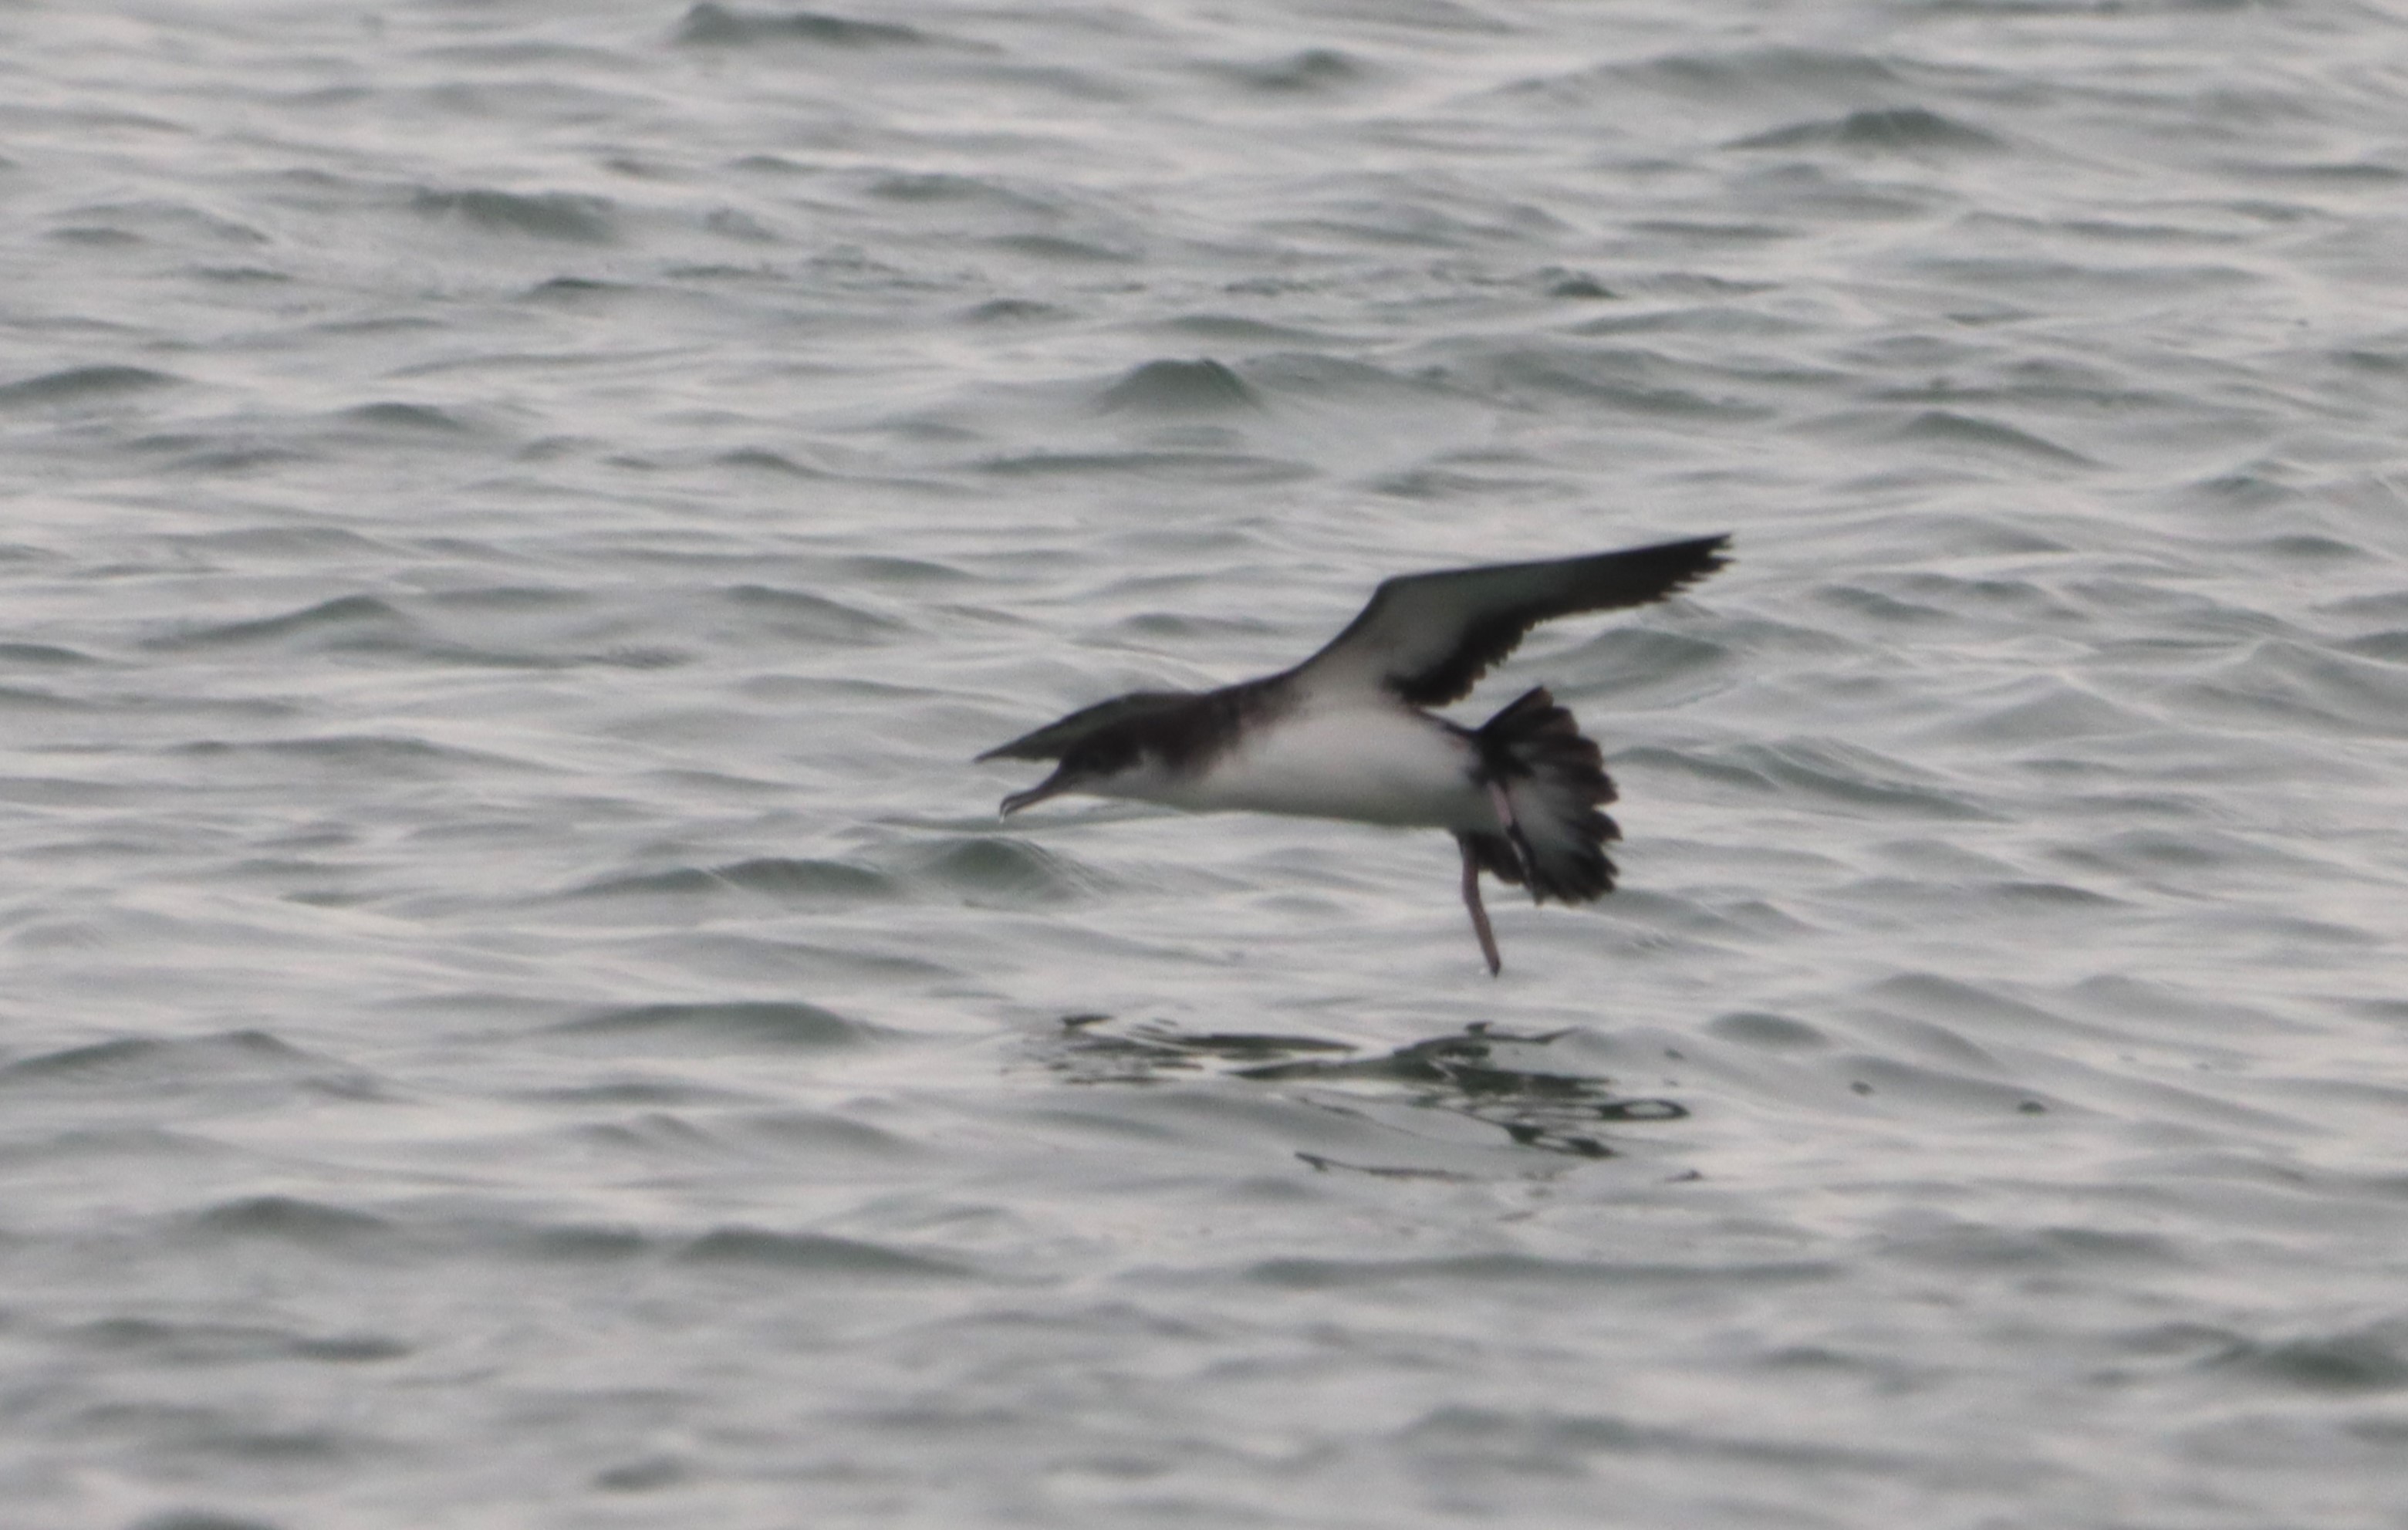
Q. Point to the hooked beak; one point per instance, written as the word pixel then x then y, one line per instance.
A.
pixel 1051 786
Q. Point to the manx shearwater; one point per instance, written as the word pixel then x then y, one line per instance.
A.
pixel 1344 735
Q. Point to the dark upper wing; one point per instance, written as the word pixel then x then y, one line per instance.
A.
pixel 1428 637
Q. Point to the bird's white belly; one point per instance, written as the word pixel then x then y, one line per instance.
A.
pixel 1377 764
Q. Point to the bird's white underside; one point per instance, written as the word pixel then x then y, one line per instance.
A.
pixel 1366 760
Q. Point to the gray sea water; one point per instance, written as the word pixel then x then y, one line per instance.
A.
pixel 518 1012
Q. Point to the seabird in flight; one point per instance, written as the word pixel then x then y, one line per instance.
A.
pixel 1343 735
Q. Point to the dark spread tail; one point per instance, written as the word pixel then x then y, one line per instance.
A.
pixel 1554 781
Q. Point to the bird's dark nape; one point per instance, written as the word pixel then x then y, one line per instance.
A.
pixel 1059 737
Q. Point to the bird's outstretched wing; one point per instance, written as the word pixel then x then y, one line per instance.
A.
pixel 1428 637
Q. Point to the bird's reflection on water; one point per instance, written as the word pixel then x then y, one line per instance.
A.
pixel 1496 1078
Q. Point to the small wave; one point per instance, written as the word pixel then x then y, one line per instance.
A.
pixel 816 618
pixel 1443 484
pixel 1931 994
pixel 1638 381
pixel 221 1343
pixel 888 569
pixel 1634 665
pixel 2019 600
pixel 161 222
pixel 2391 647
pixel 2043 709
pixel 1312 71
pixel 2306 547
pixel 780 1023
pixel 18 698
pixel 2384 606
pixel 146 1060
pixel 1203 386
pixel 1317 376
pixel 652 1136
pixel 772 875
pixel 761 459
pixel 946 187
pixel 1062 249
pixel 576 1243
pixel 563 215
pixel 369 624
pixel 1546 1443
pixel 994 866
pixel 1234 469
pixel 1017 310
pixel 1893 1082
pixel 2043 895
pixel 815 1252
pixel 1747 70
pixel 2087 9
pixel 195 453
pixel 1745 76
pixel 1768 1032
pixel 1971 1246
pixel 1713 319
pixel 95 236
pixel 412 419
pixel 1838 773
pixel 2291 682
pixel 2354 1362
pixel 512 599
pixel 1787 641
pixel 243 276
pixel 369 752
pixel 84 385
pixel 1884 608
pixel 291 1219
pixel 822 1138
pixel 1167 628
pixel 1244 329
pixel 200 1519
pixel 712 25
pixel 1886 129
pixel 1430 15
pixel 302 542
pixel 2345 173
pixel 1691 230
pixel 1946 429
pixel 333 620
pixel 44 655
pixel 2064 282
pixel 2159 855
pixel 1522 1269
pixel 576 287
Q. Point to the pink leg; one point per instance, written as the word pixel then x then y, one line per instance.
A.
pixel 1479 915
pixel 1511 828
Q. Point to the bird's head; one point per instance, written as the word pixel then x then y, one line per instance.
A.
pixel 1091 747
pixel 1083 770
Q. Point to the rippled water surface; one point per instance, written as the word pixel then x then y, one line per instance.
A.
pixel 519 1012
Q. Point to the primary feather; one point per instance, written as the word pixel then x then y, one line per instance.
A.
pixel 1427 638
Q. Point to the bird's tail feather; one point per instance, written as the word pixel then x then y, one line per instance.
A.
pixel 1554 781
